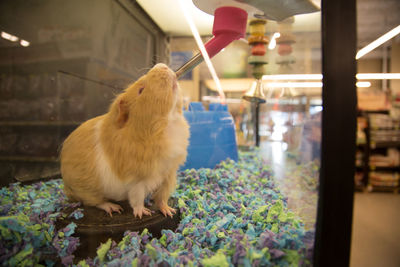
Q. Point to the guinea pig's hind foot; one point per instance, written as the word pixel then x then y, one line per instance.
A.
pixel 140 211
pixel 166 210
pixel 110 208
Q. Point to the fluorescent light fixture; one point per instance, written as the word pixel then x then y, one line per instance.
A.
pixel 272 43
pixel 280 77
pixel 306 84
pixel 9 37
pixel 378 76
pixel 202 48
pixel 24 43
pixel 14 38
pixel 363 84
pixel 217 99
pixel 294 84
pixel 318 77
pixel 384 38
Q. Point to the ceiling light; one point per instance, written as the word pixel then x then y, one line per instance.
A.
pixel 378 76
pixel 272 43
pixel 306 84
pixel 9 37
pixel 295 85
pixel 216 99
pixel 384 38
pixel 292 77
pixel 202 48
pixel 318 77
pixel 363 84
pixel 24 43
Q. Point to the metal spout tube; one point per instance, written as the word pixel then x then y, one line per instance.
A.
pixel 188 66
pixel 229 25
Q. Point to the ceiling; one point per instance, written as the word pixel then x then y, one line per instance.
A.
pixel 169 17
pixel 374 18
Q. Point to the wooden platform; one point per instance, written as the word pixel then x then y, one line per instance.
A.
pixel 97 226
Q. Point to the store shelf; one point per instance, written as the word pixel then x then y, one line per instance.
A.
pixel 387 144
pixel 381 148
pixel 375 188
pixel 375 128
pixel 385 168
pixel 359 188
pixel 362 112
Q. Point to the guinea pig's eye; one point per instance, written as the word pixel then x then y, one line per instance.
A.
pixel 140 90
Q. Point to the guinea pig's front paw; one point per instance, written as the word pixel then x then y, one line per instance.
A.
pixel 139 211
pixel 110 207
pixel 166 210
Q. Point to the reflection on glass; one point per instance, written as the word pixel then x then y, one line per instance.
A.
pixel 58 71
pixel 290 120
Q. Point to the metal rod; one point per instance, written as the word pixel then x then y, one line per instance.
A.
pixel 257 124
pixel 188 66
pixel 90 80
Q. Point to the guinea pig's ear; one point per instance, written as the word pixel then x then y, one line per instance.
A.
pixel 123 112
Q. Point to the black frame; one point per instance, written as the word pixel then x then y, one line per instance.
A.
pixel 336 191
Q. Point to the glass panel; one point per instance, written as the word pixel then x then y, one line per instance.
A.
pixel 61 63
pixel 378 101
pixel 288 125
pixel 67 62
pixel 378 135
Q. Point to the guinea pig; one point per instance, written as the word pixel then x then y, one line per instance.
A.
pixel 133 150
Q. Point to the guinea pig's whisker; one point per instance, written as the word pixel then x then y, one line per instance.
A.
pixel 143 70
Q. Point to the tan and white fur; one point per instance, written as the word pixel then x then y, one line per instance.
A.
pixel 133 150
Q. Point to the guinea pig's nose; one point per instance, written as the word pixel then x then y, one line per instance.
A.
pixel 161 66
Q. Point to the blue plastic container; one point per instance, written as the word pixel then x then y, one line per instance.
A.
pixel 212 136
